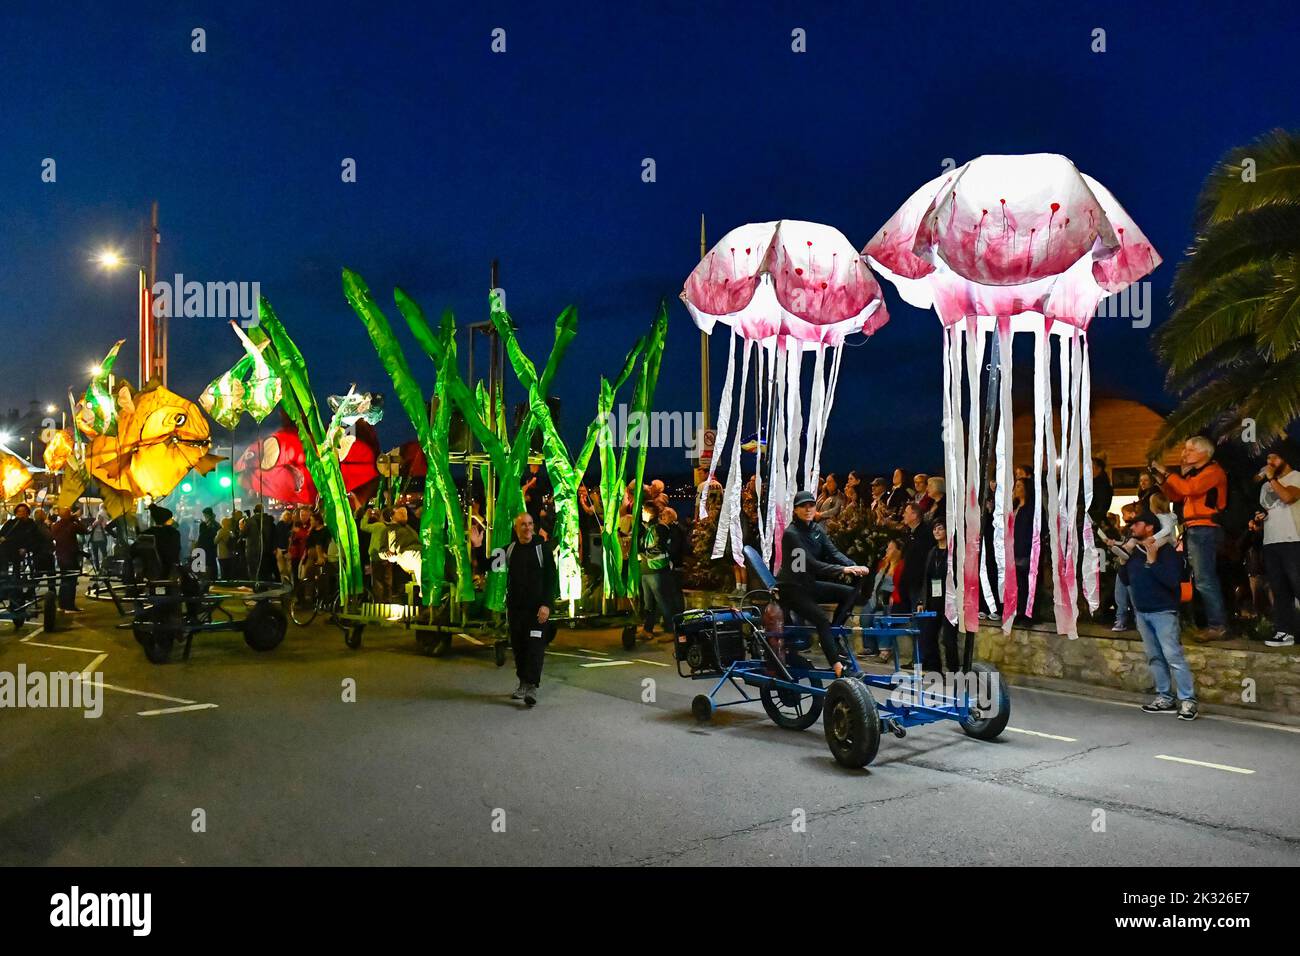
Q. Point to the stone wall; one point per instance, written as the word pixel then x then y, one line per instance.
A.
pixel 1240 677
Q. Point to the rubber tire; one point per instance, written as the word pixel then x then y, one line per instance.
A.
pixel 702 708
pixel 265 627
pixel 499 651
pixel 157 649
pixel 629 637
pixel 50 612
pixel 772 704
pixel 851 723
pixel 990 728
pixel 302 615
pixel 352 636
pixel 442 646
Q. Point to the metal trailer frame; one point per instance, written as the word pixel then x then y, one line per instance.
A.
pixel 854 717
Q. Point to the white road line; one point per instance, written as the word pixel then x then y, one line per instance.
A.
pixel 40 628
pixel 143 693
pixel 65 647
pixel 581 657
pixel 175 710
pixel 606 664
pixel 583 650
pixel 1226 718
pixel 655 663
pixel 473 640
pixel 1039 733
pixel 1202 763
pixel 90 668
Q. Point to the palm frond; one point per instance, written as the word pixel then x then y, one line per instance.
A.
pixel 1225 310
pixel 1254 236
pixel 1211 408
pixel 1275 178
pixel 1280 321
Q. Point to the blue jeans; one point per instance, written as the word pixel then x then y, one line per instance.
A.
pixel 1123 611
pixel 1159 630
pixel 1203 555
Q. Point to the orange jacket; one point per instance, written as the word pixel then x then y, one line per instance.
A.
pixel 1204 493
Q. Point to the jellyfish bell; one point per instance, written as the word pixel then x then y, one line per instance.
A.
pixel 788 287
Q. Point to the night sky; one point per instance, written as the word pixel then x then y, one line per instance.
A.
pixel 535 157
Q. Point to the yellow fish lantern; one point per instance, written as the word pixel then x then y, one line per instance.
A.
pixel 58 449
pixel 14 476
pixel 160 436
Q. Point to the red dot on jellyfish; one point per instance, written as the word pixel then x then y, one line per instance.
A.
pixel 823 285
pixel 1056 207
pixel 798 272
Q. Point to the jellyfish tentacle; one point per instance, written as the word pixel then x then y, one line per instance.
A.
pixel 729 514
pixel 951 442
pixel 971 509
pixel 1004 542
pixel 1091 553
pixel 1042 422
pixel 724 421
pixel 810 477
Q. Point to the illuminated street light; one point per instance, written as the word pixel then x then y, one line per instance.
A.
pixel 109 259
pixel 225 481
pixel 51 409
pixel 95 370
pixel 187 488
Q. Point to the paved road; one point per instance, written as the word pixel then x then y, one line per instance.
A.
pixel 432 752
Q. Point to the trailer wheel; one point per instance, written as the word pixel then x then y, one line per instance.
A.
pixel 851 723
pixel 792 709
pixel 991 726
pixel 441 646
pixel 157 647
pixel 50 611
pixel 629 637
pixel 265 627
pixel 352 636
pixel 702 708
pixel 499 652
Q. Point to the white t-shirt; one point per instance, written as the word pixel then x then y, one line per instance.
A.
pixel 1281 524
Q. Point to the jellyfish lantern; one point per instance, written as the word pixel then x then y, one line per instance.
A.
pixel 789 288
pixel 1008 244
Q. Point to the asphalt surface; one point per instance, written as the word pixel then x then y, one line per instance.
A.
pixel 432 761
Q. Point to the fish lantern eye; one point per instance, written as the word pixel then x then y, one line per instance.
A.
pixel 180 419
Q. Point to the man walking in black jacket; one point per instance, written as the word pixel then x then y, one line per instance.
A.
pixel 532 586
pixel 808 563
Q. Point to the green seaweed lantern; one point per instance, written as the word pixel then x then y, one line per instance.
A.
pixel 96 413
pixel 250 386
pixel 286 361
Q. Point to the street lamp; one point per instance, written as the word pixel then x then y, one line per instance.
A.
pixel 109 259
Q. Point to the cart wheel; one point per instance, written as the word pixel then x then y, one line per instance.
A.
pixel 352 635
pixel 157 647
pixel 265 627
pixel 702 708
pixel 441 646
pixel 791 709
pixel 852 723
pixel 51 613
pixel 19 620
pixel 302 607
pixel 499 650
pixel 991 726
pixel 629 637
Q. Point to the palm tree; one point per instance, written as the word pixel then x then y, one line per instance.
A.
pixel 1232 343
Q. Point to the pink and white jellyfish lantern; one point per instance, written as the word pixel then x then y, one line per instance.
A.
pixel 1008 244
pixel 789 288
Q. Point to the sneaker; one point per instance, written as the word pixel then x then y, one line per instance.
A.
pixel 1119 627
pixel 1164 704
pixel 994 617
pixel 530 695
pixel 1280 639
pixel 519 691
pixel 1187 710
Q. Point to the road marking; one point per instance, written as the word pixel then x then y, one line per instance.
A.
pixel 655 663
pixel 473 640
pixel 606 664
pixel 145 693
pixel 583 650
pixel 1202 763
pixel 65 647
pixel 1245 722
pixel 176 710
pixel 40 628
pixel 90 668
pixel 581 657
pixel 1039 733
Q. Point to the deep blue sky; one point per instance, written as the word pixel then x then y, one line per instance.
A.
pixel 534 157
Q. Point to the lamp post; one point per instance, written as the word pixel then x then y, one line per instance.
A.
pixel 109 259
